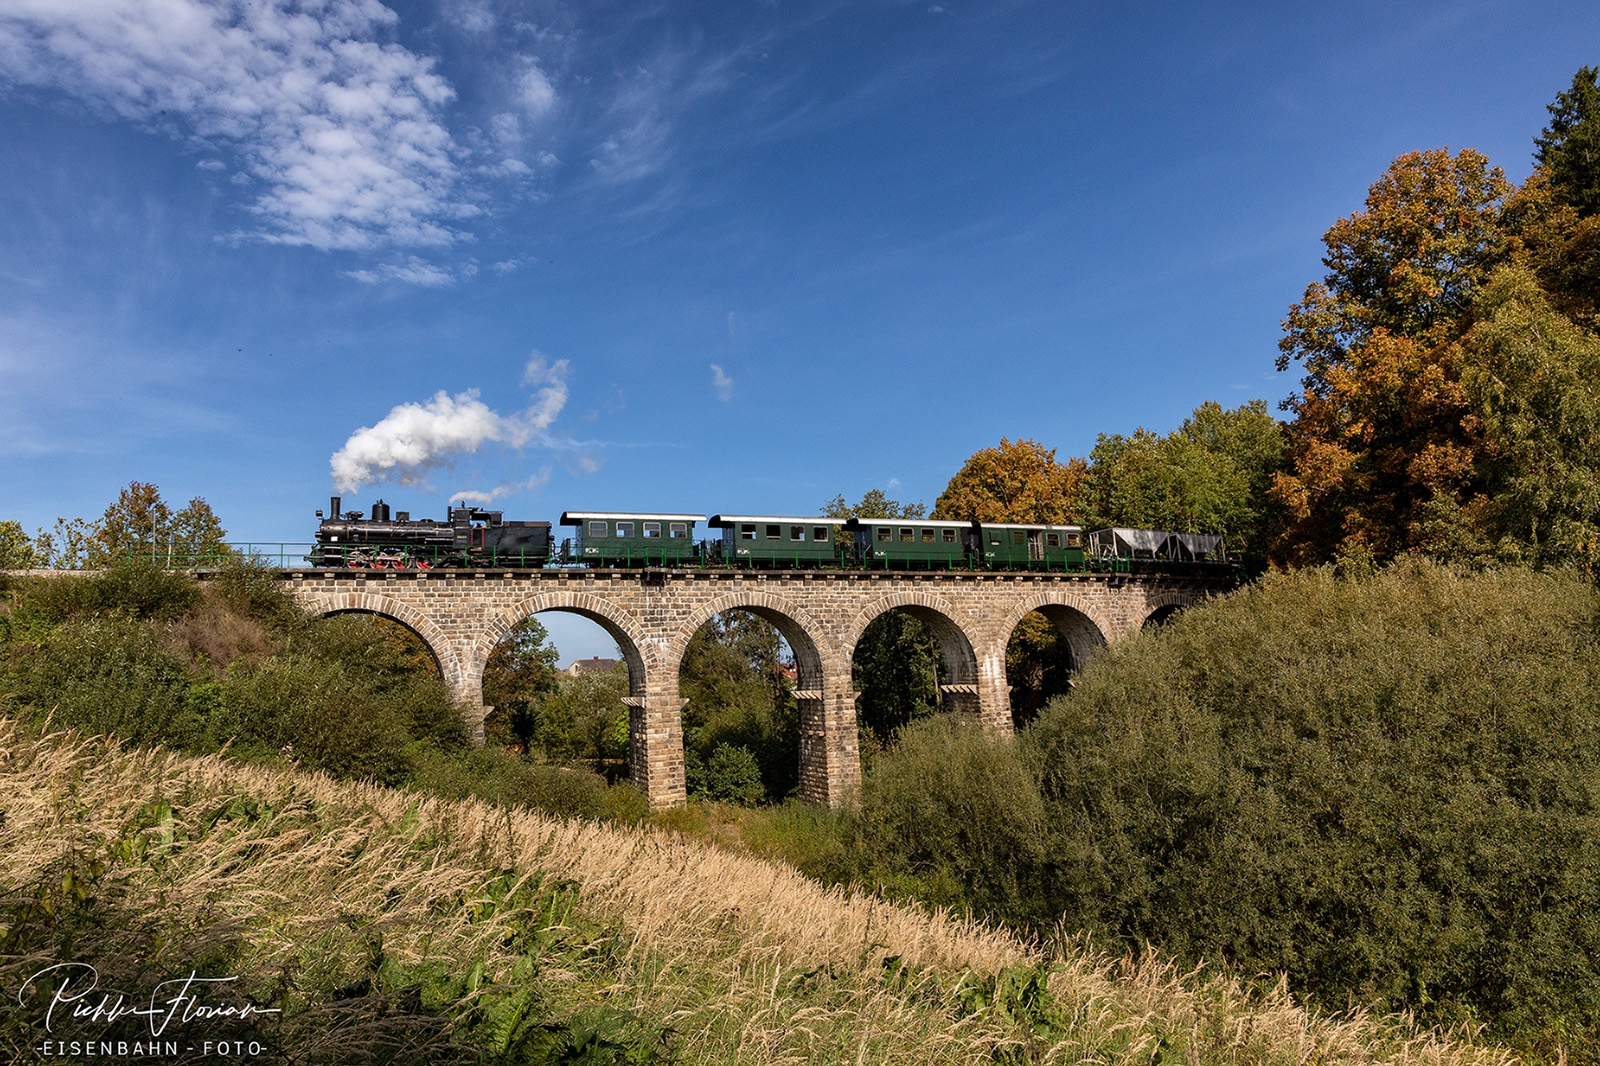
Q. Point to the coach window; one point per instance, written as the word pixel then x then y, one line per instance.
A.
pixel 747 532
pixel 1074 540
pixel 885 533
pixel 819 533
pixel 907 535
pixel 1052 540
pixel 948 535
pixel 797 532
pixel 625 529
pixel 597 529
pixel 678 530
pixel 652 530
pixel 774 533
pixel 927 536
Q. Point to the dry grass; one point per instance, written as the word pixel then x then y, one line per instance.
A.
pixel 744 959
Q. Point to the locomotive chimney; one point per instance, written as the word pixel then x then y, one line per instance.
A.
pixel 333 508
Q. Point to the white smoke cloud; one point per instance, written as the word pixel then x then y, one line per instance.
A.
pixel 722 383
pixel 413 439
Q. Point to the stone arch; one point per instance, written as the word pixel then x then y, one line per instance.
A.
pixel 806 636
pixel 830 763
pixel 445 655
pixel 621 625
pixel 1083 627
pixel 959 649
pixel 1162 606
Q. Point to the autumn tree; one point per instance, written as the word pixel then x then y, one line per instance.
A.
pixel 1377 444
pixel 1014 482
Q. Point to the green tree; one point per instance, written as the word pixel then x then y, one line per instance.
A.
pixel 71 544
pixel 520 672
pixel 1568 149
pixel 1529 375
pixel 197 537
pixel 737 695
pixel 16 549
pixel 1212 475
pixel 578 720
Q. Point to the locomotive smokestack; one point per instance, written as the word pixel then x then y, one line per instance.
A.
pixel 333 508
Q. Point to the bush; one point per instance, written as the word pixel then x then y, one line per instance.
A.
pixel 952 815
pixel 498 777
pixel 110 675
pixel 1386 787
pixel 732 774
pixel 250 589
pixel 320 714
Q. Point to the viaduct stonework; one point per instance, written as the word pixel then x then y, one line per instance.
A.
pixel 463 614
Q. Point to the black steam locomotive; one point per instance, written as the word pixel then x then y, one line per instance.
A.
pixel 471 536
pixel 474 537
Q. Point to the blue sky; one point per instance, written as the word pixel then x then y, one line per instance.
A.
pixel 732 256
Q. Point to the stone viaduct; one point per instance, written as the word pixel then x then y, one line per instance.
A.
pixel 463 614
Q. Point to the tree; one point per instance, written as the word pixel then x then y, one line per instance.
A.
pixel 197 536
pixel 138 523
pixel 70 545
pixel 1377 444
pixel 16 550
pixel 1568 150
pixel 1020 482
pixel 1529 376
pixel 521 671
pixel 896 665
pixel 737 695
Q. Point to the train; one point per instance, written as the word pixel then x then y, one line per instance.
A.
pixel 477 538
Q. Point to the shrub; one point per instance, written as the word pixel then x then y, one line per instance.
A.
pixel 110 675
pixel 322 714
pixel 732 774
pixel 249 588
pixel 952 815
pixel 1387 787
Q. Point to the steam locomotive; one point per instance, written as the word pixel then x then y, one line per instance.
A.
pixel 478 538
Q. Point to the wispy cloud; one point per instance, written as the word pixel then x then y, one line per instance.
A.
pixel 414 271
pixel 340 129
pixel 416 438
pixel 722 383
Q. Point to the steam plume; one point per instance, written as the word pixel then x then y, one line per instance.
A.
pixel 414 438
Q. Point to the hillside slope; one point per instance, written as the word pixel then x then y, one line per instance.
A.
pixel 386 926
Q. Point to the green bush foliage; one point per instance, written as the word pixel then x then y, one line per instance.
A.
pixel 1385 786
pixel 110 675
pixel 733 775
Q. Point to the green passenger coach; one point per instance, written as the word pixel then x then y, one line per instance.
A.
pixel 1022 546
pixel 608 538
pixel 910 544
pixel 773 541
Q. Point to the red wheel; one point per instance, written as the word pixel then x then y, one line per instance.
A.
pixel 423 564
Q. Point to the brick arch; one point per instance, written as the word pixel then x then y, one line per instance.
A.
pixel 958 647
pixel 620 624
pixel 1167 604
pixel 807 637
pixel 444 653
pixel 1085 628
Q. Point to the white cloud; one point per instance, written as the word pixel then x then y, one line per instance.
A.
pixel 342 129
pixel 413 271
pixel 538 96
pixel 413 439
pixel 722 383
